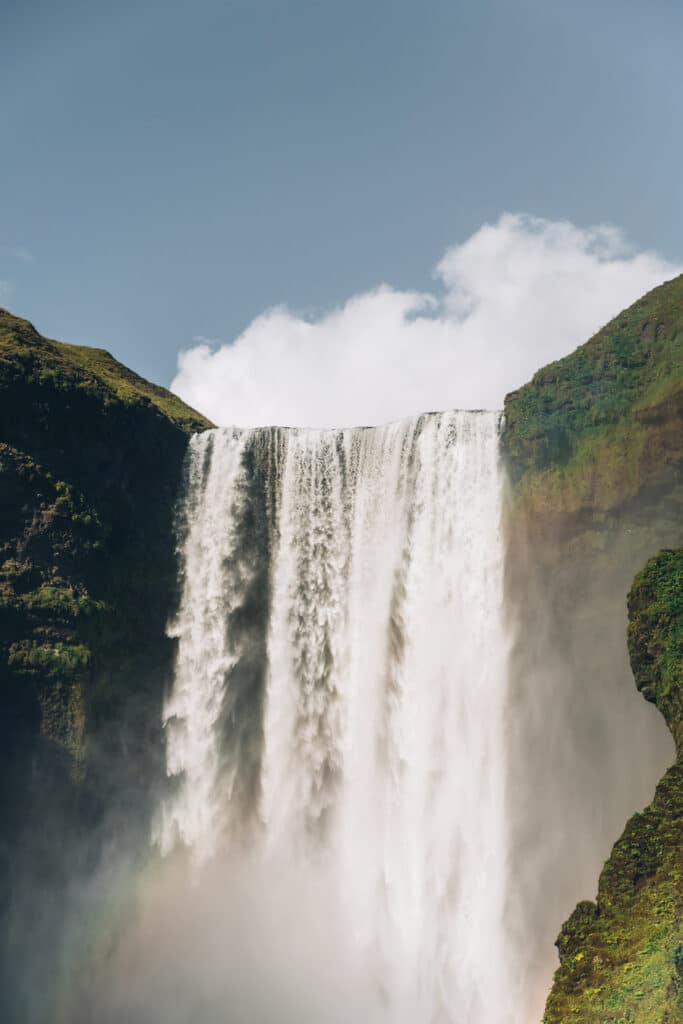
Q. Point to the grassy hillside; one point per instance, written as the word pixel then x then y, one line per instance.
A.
pixel 26 356
pixel 591 430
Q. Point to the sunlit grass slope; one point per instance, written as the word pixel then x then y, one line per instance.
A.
pixel 590 430
pixel 26 355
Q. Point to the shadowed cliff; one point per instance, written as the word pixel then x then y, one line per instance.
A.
pixel 90 464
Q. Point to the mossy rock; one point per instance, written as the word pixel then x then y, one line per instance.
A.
pixel 621 958
pixel 655 637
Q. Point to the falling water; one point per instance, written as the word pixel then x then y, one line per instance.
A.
pixel 340 686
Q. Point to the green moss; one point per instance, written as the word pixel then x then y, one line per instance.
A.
pixel 60 659
pixel 655 637
pixel 622 957
pixel 60 601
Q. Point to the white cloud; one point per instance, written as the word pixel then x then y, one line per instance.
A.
pixel 516 295
pixel 6 291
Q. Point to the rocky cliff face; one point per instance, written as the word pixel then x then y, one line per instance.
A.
pixel 90 464
pixel 622 956
pixel 593 446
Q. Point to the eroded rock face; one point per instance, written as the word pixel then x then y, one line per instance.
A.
pixel 90 464
pixel 622 956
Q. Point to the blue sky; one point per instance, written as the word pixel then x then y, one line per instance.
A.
pixel 171 170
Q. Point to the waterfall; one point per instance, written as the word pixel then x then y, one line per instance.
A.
pixel 339 691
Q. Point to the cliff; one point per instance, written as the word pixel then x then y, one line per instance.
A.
pixel 91 459
pixel 622 956
pixel 595 462
pixel 592 431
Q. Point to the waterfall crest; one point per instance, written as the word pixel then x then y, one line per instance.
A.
pixel 340 689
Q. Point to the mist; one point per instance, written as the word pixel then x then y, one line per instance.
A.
pixel 262 935
pixel 584 750
pixel 244 942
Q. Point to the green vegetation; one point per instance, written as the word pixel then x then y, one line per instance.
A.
pixel 27 356
pixel 60 659
pixel 591 429
pixel 621 958
pixel 90 463
pixel 58 600
pixel 655 637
